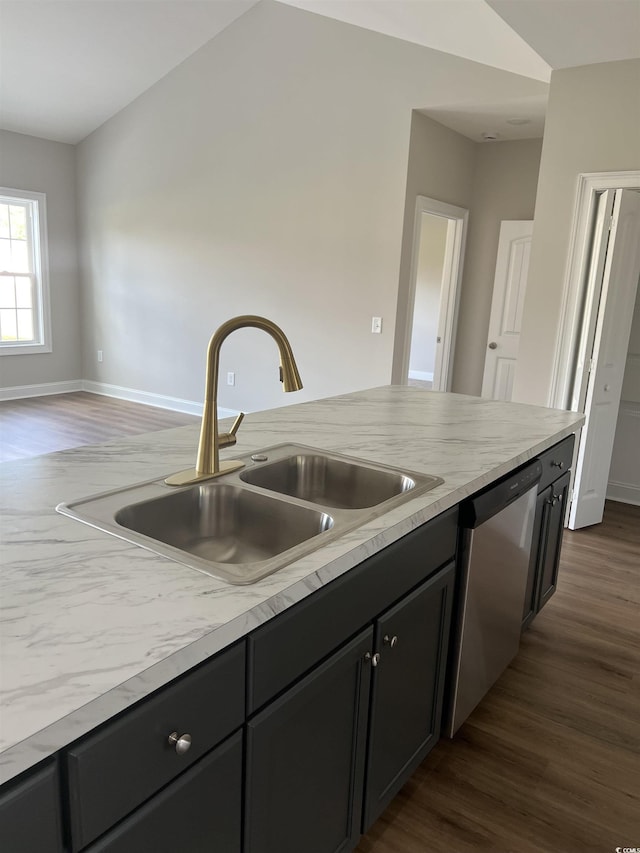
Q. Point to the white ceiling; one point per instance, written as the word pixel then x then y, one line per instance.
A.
pixel 66 66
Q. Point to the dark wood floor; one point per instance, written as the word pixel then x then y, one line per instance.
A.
pixel 40 425
pixel 550 761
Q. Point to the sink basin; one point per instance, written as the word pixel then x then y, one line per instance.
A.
pixel 288 501
pixel 329 481
pixel 224 524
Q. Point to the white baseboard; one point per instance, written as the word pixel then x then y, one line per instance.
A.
pixel 422 375
pixel 21 392
pixel 189 407
pixel 175 404
pixel 625 493
pixel 146 398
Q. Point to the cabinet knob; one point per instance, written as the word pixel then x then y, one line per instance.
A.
pixel 557 465
pixel 182 743
pixel 493 345
pixel 375 659
pixel 390 641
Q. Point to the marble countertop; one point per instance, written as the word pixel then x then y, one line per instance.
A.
pixel 90 624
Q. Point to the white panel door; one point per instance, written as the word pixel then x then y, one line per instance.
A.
pixel 507 306
pixel 613 328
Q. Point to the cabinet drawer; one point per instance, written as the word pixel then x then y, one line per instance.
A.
pixel 556 461
pixel 114 770
pixel 30 814
pixel 201 812
pixel 288 646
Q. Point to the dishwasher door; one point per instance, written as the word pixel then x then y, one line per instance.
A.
pixel 495 559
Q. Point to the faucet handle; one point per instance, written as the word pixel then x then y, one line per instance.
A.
pixel 236 423
pixel 227 439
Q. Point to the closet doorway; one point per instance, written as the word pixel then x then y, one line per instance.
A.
pixel 436 271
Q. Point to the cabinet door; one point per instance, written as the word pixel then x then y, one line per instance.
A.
pixel 305 759
pixel 30 814
pixel 198 813
pixel 407 688
pixel 554 529
pixel 538 540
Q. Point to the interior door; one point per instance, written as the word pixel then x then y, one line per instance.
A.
pixel 445 337
pixel 507 305
pixel 598 256
pixel 611 341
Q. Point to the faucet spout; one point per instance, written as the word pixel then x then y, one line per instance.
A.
pixel 208 463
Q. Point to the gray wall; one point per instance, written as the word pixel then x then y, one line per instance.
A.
pixel 265 175
pixel 27 163
pixel 592 125
pixel 441 166
pixel 494 181
pixel 504 187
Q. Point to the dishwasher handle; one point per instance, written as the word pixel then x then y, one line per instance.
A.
pixel 497 496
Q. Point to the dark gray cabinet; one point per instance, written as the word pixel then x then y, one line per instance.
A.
pixel 200 812
pixel 553 493
pixel 552 530
pixel 382 630
pixel 30 819
pixel 412 640
pixel 308 787
pixel 132 757
pixel 305 759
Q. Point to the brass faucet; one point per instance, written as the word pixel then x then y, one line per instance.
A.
pixel 208 463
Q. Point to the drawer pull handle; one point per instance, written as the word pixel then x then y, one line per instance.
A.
pixel 182 743
pixel 375 659
pixel 557 465
pixel 392 642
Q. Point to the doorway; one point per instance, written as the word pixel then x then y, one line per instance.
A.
pixel 596 326
pixel 436 270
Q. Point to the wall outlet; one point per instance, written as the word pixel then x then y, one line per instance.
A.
pixel 231 378
pixel 376 325
pixel 99 355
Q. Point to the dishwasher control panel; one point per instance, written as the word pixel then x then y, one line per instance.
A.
pixel 487 503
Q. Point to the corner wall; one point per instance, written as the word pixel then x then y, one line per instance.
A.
pixel 28 163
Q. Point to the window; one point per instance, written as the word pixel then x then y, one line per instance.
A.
pixel 24 289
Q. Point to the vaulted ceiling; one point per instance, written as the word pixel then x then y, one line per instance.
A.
pixel 66 66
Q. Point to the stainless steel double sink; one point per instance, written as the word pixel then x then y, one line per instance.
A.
pixel 286 502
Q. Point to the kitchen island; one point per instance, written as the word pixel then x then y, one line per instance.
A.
pixel 92 624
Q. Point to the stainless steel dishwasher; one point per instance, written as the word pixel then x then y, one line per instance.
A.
pixel 497 527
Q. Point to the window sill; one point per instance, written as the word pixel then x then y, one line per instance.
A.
pixel 24 349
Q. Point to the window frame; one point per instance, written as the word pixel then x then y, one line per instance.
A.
pixel 42 306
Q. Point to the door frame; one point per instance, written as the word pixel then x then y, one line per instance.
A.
pixel 451 281
pixel 578 304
